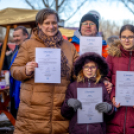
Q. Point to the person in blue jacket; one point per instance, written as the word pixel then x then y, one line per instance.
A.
pixel 19 35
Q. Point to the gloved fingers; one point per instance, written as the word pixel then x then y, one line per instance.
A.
pixel 109 107
pixel 74 109
pixel 71 102
pixel 74 103
pixel 99 105
pixel 101 110
pixel 79 106
pixel 103 104
pixel 76 106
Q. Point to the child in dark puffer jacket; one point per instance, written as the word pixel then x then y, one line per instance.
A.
pixel 89 69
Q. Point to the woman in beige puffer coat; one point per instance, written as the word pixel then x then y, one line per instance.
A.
pixel 40 103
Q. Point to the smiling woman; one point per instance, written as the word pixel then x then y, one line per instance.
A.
pixel 49 26
pixel 40 103
pixel 47 21
pixel 121 58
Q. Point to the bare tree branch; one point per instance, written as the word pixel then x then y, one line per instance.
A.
pixel 52 3
pixel 76 10
pixel 29 3
pixel 126 4
pixel 56 5
pixel 61 10
pixel 46 4
pixel 132 1
pixel 61 3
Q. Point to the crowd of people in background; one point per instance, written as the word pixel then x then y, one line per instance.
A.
pixel 51 108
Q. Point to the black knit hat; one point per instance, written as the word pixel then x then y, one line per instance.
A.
pixel 91 56
pixel 90 17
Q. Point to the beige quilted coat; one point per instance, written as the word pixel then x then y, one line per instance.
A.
pixel 40 103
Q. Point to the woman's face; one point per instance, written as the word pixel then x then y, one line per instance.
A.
pixel 89 69
pixel 50 25
pixel 127 40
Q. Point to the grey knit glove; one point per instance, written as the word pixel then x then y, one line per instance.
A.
pixel 103 107
pixel 74 103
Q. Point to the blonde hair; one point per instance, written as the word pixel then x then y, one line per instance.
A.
pixel 98 76
pixel 80 76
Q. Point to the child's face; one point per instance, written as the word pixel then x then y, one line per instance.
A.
pixel 89 69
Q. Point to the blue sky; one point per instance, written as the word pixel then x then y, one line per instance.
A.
pixel 114 11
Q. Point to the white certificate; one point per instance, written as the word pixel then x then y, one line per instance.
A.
pixel 49 65
pixel 89 97
pixel 91 44
pixel 125 88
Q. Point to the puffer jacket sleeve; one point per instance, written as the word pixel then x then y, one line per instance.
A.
pixel 110 64
pixel 18 68
pixel 76 55
pixel 67 111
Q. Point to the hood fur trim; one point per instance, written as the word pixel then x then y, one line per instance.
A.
pixel 114 49
pixel 103 66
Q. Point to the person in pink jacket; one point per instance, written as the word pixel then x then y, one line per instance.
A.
pixel 121 58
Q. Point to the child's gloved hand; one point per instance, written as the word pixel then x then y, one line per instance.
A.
pixel 74 103
pixel 103 107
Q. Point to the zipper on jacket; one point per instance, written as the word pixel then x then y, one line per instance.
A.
pixel 87 129
pixel 88 83
pixel 129 64
pixel 125 120
pixel 87 124
pixel 129 61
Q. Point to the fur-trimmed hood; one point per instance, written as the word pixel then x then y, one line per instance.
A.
pixel 103 66
pixel 116 49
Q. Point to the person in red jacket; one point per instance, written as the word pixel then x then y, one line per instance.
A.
pixel 121 58
pixel 90 68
